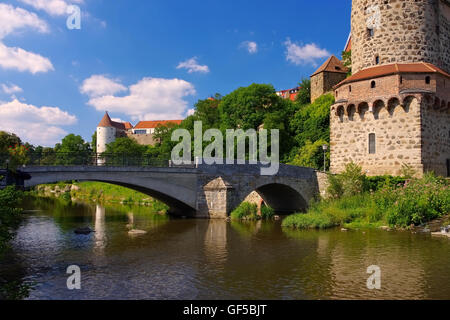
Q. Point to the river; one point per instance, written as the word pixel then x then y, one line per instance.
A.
pixel 201 259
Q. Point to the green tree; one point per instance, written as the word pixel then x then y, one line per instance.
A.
pixel 311 155
pixel 347 61
pixel 304 94
pixel 94 142
pixel 9 214
pixel 72 150
pixel 8 140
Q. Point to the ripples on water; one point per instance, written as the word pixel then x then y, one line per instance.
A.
pixel 200 259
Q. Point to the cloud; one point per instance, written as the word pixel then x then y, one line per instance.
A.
pixel 100 85
pixel 190 112
pixel 22 60
pixel 149 99
pixel 250 46
pixel 191 65
pixel 299 55
pixel 39 126
pixel 13 19
pixel 11 88
pixel 52 7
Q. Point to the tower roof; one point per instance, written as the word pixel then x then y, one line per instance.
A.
pixel 155 124
pixel 390 69
pixel 332 64
pixel 108 123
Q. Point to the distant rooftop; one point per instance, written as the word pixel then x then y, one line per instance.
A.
pixel 155 124
pixel 332 64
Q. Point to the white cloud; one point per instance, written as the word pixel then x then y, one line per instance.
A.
pixel 190 112
pixel 308 53
pixel 13 19
pixel 191 65
pixel 149 99
pixel 99 85
pixel 33 124
pixel 52 7
pixel 11 88
pixel 22 60
pixel 250 46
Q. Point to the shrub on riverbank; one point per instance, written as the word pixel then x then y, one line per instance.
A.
pixel 396 202
pixel 249 211
pixel 9 214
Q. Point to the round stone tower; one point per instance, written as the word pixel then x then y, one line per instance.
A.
pixel 399 31
pixel 106 133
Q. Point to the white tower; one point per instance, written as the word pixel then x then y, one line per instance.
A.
pixel 106 133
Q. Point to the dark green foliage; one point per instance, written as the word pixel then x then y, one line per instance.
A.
pixel 72 150
pixel 304 95
pixel 245 211
pixel 347 61
pixel 9 214
pixel 267 212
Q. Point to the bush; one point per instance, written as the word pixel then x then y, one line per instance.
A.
pixel 267 212
pixel 9 214
pixel 245 211
pixel 349 182
pixel 308 221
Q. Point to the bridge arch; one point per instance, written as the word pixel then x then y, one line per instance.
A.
pixel 283 198
pixel 179 198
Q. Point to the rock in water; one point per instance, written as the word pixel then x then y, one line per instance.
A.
pixel 136 232
pixel 85 230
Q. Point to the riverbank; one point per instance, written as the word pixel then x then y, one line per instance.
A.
pixel 99 192
pixel 415 203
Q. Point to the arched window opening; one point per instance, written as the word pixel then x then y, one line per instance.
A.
pixel 427 79
pixel 373 84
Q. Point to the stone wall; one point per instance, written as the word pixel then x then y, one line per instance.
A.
pixel 324 82
pixel 143 139
pixel 397 131
pixel 409 31
pixel 436 138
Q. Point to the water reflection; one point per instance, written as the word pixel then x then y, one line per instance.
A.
pixel 200 259
pixel 216 242
pixel 100 229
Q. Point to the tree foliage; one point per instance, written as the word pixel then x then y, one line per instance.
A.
pixel 304 94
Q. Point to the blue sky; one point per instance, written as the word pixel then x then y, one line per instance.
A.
pixel 151 60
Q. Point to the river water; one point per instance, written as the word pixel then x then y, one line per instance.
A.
pixel 200 259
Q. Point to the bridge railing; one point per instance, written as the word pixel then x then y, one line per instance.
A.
pixel 82 159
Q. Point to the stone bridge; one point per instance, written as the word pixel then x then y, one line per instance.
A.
pixel 202 192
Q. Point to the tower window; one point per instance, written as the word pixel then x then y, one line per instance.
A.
pixel 372 143
pixel 349 88
pixel 428 80
pixel 401 79
pixel 373 84
pixel 370 32
pixel 377 60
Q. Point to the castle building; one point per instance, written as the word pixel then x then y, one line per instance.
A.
pixel 327 76
pixel 108 131
pixel 395 108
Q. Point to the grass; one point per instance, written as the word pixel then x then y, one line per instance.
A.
pixel 249 211
pixel 416 202
pixel 103 193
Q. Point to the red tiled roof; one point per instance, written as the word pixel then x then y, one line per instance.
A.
pixel 348 45
pixel 107 122
pixel 333 64
pixel 390 69
pixel 155 124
